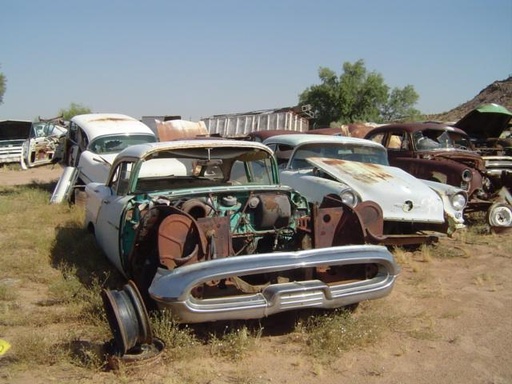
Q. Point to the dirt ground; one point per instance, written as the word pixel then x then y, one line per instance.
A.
pixel 455 326
pixel 44 174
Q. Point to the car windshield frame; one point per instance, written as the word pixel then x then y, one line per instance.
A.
pixel 195 168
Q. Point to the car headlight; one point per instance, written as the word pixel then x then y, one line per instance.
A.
pixel 467 175
pixel 458 201
pixel 348 197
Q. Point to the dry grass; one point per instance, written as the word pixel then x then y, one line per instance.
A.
pixel 52 274
pixel 180 340
pixel 234 344
pixel 328 335
pixel 51 249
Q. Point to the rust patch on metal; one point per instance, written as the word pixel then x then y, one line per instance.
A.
pixel 325 224
pixel 365 172
pixel 218 235
pixel 180 241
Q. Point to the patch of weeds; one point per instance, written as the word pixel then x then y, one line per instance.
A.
pixel 85 299
pixel 446 250
pixel 425 253
pixel 179 339
pixel 37 348
pixel 234 344
pixel 402 256
pixel 330 334
pixel 67 288
pixel 85 354
pixel 7 293
pixel 10 314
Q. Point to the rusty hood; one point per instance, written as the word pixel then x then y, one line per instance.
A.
pixel 400 195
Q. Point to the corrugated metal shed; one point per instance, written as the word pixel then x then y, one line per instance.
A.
pixel 232 125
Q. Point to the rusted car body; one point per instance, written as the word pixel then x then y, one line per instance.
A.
pixel 442 153
pixel 204 229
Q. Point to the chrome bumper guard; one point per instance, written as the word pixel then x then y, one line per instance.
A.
pixel 171 290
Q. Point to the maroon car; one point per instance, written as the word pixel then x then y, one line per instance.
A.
pixel 435 151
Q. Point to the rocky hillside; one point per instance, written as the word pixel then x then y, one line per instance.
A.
pixel 499 92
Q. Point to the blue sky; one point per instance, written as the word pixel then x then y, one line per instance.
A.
pixel 197 58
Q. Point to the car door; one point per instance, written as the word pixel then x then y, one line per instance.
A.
pixel 40 146
pixel 108 228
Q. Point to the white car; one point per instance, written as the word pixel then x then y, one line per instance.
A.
pixel 356 170
pixel 91 144
pixel 205 230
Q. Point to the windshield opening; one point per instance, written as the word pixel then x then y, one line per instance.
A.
pixel 430 139
pixel 204 167
pixel 347 152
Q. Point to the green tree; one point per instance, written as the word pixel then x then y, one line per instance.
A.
pixel 73 110
pixel 357 96
pixel 400 105
pixel 3 81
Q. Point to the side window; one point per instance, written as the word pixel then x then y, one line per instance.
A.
pixel 395 142
pixel 73 132
pixel 120 180
pixel 82 140
pixel 378 138
pixel 272 146
pixel 283 153
pixel 238 173
pixel 261 172
pixel 253 172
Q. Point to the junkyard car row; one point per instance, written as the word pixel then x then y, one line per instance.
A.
pixel 218 229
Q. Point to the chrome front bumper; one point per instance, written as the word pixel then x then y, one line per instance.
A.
pixel 171 290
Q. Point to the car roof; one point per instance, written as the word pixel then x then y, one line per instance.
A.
pixel 299 139
pixel 414 127
pixel 100 124
pixel 143 150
